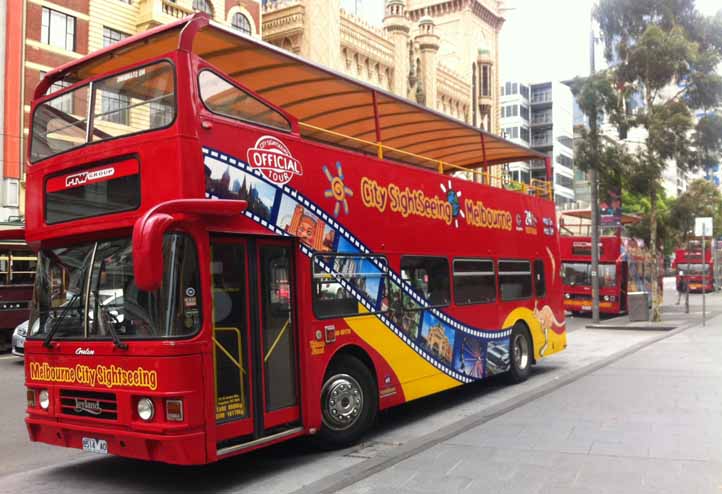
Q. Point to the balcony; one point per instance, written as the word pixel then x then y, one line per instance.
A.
pixel 540 142
pixel 152 13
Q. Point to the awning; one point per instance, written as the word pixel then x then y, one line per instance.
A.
pixel 328 105
pixel 586 214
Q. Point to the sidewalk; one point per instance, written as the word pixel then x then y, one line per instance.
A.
pixel 648 423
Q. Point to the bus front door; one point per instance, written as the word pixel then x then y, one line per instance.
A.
pixel 254 340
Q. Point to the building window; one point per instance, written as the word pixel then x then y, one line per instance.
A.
pixel 241 23
pixel 485 80
pixel 564 181
pixel 524 111
pixel 565 161
pixel 524 90
pixel 524 134
pixel 114 108
pixel 111 36
pixel 203 6
pixel 58 29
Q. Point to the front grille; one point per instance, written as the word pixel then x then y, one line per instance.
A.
pixel 89 404
pixel 20 349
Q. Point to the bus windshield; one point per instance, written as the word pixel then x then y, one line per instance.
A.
pixel 88 291
pixel 135 101
pixel 580 274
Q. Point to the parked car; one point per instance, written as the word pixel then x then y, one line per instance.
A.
pixel 18 340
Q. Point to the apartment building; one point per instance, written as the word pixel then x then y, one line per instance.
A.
pixel 540 116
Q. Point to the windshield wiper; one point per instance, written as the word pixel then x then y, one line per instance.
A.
pixel 47 342
pixel 100 314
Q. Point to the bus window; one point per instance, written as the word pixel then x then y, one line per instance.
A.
pixel 540 284
pixel 515 279
pixel 474 281
pixel 429 276
pixel 228 100
pixel 331 299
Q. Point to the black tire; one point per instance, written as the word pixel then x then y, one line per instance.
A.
pixel 520 354
pixel 353 384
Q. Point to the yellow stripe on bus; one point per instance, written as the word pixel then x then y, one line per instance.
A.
pixel 418 377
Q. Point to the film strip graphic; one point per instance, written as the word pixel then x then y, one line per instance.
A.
pixel 342 232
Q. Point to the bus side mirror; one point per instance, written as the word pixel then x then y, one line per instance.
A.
pixel 149 230
pixel 148 250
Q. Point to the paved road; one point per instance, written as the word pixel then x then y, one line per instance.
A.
pixel 288 467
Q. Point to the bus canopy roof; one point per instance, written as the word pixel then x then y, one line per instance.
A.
pixel 329 106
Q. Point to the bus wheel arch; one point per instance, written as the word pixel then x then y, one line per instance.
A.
pixel 521 349
pixel 349 398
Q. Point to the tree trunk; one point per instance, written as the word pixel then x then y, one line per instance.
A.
pixel 656 296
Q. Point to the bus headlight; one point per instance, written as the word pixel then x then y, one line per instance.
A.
pixel 146 410
pixel 606 298
pixel 567 296
pixel 44 399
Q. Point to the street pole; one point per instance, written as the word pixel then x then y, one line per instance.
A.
pixel 594 186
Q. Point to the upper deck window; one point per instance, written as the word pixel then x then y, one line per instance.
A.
pixel 223 98
pixel 123 104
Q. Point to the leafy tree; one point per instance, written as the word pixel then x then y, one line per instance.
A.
pixel 667 51
pixel 701 199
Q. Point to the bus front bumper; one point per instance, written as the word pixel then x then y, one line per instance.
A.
pixel 180 449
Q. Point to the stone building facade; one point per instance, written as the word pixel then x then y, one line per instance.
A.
pixel 441 53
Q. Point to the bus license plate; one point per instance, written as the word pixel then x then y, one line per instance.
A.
pixel 586 307
pixel 93 445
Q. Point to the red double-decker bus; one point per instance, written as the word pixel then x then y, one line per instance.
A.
pixel 237 247
pixel 699 274
pixel 17 274
pixel 624 267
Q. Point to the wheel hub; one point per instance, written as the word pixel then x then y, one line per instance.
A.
pixel 342 401
pixel 521 352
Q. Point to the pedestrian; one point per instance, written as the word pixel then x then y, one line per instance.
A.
pixel 681 286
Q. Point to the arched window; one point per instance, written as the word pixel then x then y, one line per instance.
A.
pixel 241 23
pixel 203 6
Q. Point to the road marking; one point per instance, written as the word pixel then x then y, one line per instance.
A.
pixel 8 357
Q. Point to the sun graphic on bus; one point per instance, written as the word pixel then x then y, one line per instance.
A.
pixel 452 197
pixel 338 190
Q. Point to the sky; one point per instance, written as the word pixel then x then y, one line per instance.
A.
pixel 541 40
pixel 549 40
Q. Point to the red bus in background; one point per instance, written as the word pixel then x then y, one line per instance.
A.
pixel 700 274
pixel 624 267
pixel 237 247
pixel 17 275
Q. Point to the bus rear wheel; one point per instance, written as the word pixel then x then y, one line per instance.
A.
pixel 349 402
pixel 520 354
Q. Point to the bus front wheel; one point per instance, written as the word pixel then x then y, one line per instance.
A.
pixel 349 402
pixel 520 354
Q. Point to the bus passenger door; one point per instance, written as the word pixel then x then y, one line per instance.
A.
pixel 277 369
pixel 255 356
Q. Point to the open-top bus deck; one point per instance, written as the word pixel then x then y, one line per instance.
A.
pixel 237 247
